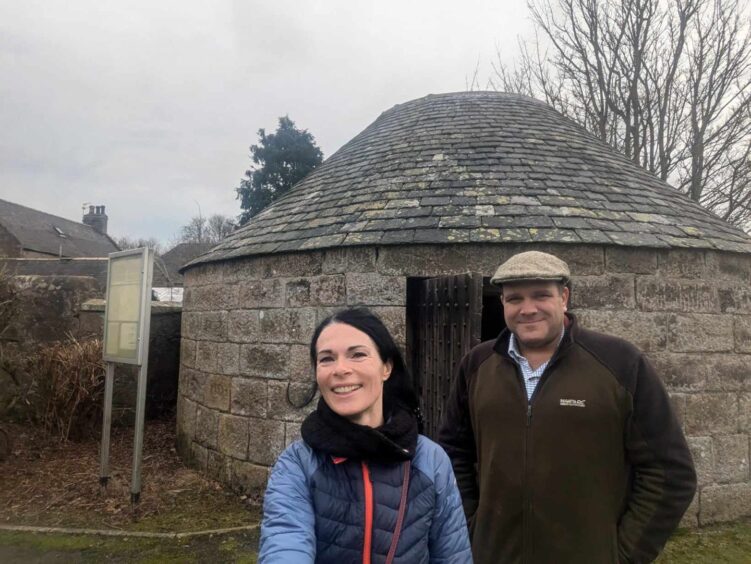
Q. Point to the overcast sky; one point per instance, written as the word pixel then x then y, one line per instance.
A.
pixel 149 107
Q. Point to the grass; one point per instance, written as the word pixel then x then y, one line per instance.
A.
pixel 31 547
pixel 46 483
pixel 196 511
pixel 726 544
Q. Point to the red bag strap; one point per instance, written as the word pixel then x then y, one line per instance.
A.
pixel 400 518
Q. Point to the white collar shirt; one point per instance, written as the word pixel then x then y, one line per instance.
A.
pixel 531 376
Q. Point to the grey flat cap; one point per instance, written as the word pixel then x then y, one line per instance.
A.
pixel 532 265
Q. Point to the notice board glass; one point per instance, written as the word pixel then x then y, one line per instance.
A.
pixel 128 292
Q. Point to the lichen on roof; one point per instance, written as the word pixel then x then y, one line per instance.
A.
pixel 478 167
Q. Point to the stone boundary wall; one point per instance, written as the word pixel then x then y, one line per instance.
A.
pixel 46 308
pixel 164 360
pixel 95 268
pixel 246 326
pixel 41 310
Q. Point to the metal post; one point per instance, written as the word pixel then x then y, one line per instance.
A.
pixel 104 468
pixel 135 483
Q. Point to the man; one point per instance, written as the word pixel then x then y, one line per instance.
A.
pixel 563 441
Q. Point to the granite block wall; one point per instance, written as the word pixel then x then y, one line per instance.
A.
pixel 246 326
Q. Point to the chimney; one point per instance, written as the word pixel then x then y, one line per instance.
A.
pixel 96 218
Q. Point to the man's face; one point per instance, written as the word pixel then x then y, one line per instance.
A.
pixel 534 312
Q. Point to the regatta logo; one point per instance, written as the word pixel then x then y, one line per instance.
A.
pixel 573 403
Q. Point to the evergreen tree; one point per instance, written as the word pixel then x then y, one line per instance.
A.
pixel 283 158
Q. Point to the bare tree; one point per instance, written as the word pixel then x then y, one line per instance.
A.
pixel 219 226
pixel 666 83
pixel 206 230
pixel 129 243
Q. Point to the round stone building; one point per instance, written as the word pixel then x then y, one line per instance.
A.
pixel 410 218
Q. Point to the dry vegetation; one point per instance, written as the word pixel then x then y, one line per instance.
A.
pixel 53 419
pixel 58 386
pixel 7 364
pixel 7 314
pixel 52 483
pixel 67 387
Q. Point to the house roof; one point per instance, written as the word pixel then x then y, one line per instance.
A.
pixel 176 258
pixel 46 233
pixel 478 167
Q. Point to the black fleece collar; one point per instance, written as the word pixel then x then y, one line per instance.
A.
pixel 394 441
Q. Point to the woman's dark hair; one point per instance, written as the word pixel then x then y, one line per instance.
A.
pixel 398 387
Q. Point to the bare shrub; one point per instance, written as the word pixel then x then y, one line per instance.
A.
pixel 58 386
pixel 7 303
pixel 67 387
pixel 9 355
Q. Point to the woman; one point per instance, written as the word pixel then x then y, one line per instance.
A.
pixel 362 485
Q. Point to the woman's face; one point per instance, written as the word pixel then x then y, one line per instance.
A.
pixel 350 374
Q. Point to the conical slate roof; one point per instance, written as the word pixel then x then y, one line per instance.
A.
pixel 478 167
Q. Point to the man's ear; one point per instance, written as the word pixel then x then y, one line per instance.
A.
pixel 565 295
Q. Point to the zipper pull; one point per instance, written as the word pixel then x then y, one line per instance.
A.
pixel 529 414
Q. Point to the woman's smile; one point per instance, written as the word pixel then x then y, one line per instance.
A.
pixel 345 390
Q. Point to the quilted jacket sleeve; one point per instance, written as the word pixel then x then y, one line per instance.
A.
pixel 449 538
pixel 288 526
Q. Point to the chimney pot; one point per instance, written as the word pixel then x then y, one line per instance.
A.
pixel 97 219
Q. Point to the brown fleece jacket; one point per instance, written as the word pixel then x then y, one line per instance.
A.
pixel 594 468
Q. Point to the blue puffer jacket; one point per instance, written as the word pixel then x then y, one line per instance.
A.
pixel 315 507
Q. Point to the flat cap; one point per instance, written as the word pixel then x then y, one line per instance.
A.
pixel 531 265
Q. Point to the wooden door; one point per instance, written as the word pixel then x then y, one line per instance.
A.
pixel 448 325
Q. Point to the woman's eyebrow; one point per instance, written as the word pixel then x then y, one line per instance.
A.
pixel 353 347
